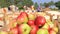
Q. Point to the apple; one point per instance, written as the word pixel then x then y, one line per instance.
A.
pixel 22 18
pixel 31 16
pixel 48 21
pixel 26 20
pixel 42 31
pixel 12 24
pixel 46 26
pixel 3 32
pixel 24 14
pixel 52 32
pixel 55 29
pixel 40 21
pixel 24 29
pixel 34 29
pixel 13 30
pixel 31 22
pixel 51 24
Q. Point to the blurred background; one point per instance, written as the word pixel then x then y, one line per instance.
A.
pixel 53 4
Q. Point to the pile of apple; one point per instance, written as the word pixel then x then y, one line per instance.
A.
pixel 27 23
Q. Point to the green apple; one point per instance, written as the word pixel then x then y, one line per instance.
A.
pixel 47 20
pixel 51 24
pixel 55 29
pixel 42 31
pixel 24 29
pixel 3 32
pixel 31 16
pixel 46 26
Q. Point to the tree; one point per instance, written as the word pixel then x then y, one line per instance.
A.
pixel 41 4
pixel 2 3
pixel 6 3
pixel 49 3
pixel 45 4
pixel 25 2
pixel 18 3
pixel 36 5
pixel 57 4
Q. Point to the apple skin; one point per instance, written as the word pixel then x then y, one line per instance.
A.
pixel 51 24
pixel 24 29
pixel 34 29
pixel 24 14
pixel 12 24
pixel 40 21
pixel 14 30
pixel 52 32
pixel 55 29
pixel 3 32
pixel 31 22
pixel 31 16
pixel 42 31
pixel 22 18
pixel 46 26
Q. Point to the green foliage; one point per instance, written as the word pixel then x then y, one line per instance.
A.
pixel 24 2
pixel 41 4
pixel 49 3
pixel 19 3
pixel 57 4
pixel 36 5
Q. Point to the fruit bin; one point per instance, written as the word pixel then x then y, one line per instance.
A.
pixel 33 23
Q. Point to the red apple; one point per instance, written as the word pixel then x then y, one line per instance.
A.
pixel 34 29
pixel 40 20
pixel 23 14
pixel 30 22
pixel 1 18
pixel 14 30
pixel 52 32
pixel 22 18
